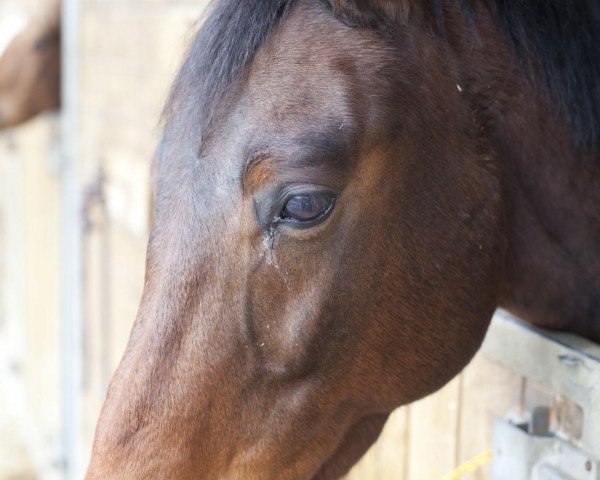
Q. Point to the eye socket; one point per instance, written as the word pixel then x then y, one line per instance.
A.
pixel 308 207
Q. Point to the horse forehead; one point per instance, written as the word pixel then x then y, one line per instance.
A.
pixel 313 65
pixel 282 92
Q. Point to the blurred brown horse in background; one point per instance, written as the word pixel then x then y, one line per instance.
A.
pixel 30 68
pixel 345 191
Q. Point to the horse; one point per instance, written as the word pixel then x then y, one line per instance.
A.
pixel 345 191
pixel 29 66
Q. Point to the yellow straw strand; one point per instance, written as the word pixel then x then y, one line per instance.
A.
pixel 471 465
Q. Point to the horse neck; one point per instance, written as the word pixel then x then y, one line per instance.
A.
pixel 552 189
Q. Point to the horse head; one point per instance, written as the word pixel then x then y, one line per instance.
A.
pixel 329 238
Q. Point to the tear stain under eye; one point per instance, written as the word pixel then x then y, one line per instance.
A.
pixel 268 250
pixel 267 246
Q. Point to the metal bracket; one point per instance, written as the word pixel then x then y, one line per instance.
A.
pixel 519 455
pixel 556 433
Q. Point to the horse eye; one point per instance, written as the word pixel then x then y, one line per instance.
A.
pixel 307 207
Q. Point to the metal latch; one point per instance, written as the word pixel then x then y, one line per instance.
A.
pixel 520 454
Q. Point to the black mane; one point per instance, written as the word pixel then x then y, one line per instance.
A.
pixel 557 40
pixel 224 47
pixel 563 38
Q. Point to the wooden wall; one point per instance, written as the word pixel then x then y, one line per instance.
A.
pixel 29 299
pixel 129 52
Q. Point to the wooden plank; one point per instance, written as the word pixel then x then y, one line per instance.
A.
pixel 29 318
pixel 36 142
pixel 487 390
pixel 128 256
pixel 433 427
pixel 387 458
